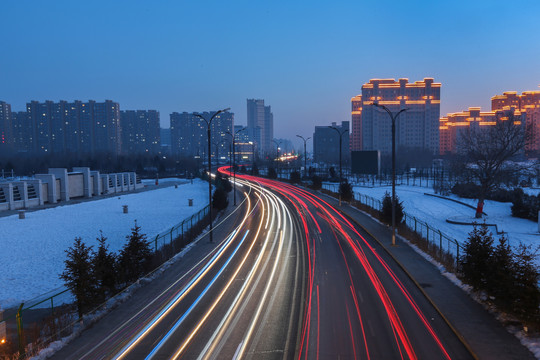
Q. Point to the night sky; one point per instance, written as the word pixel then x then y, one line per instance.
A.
pixel 305 59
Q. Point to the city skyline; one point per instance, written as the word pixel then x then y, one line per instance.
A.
pixel 307 68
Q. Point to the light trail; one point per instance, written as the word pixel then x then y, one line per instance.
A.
pixel 194 281
pixel 179 322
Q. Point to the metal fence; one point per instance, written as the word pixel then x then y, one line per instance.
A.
pixel 439 245
pixel 43 311
pixel 178 231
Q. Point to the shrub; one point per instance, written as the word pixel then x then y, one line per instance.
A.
pixel 317 182
pixel 295 177
pixel 272 173
pixel 386 213
pixel 220 200
pixel 346 191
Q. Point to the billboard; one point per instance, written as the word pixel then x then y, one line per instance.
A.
pixel 366 162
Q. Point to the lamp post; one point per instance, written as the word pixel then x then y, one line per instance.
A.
pixel 277 155
pixel 305 153
pixel 208 123
pixel 341 133
pixel 233 136
pixel 393 117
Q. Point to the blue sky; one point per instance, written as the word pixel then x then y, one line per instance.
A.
pixel 306 59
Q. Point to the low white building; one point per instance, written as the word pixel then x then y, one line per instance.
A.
pixel 60 185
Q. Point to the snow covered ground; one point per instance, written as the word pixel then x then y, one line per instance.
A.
pixel 32 250
pixel 435 211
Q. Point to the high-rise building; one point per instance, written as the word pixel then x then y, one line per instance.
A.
pixel 418 127
pixel 260 125
pixel 525 109
pixel 189 133
pixel 453 125
pixel 356 121
pixel 23 140
pixel 326 144
pixel 529 103
pixel 84 128
pixel 6 127
pixel 140 131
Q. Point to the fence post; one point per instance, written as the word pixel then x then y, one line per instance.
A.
pixel 415 224
pixel 440 244
pixel 155 243
pixel 457 258
pixel 172 244
pixel 20 332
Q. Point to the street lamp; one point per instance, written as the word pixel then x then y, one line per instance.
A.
pixel 233 136
pixel 305 154
pixel 277 155
pixel 208 123
pixel 341 133
pixel 393 117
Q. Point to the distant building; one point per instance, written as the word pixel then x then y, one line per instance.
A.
pixel 356 122
pixel 77 127
pixel 326 144
pixel 260 125
pixel 140 131
pixel 529 103
pixel 416 128
pixel 189 134
pixel 23 141
pixel 453 125
pixel 6 127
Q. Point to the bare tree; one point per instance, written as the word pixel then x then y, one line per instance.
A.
pixel 488 151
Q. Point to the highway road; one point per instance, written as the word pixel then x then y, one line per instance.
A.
pixel 293 278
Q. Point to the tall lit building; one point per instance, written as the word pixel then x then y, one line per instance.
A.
pixel 526 110
pixel 189 133
pixel 23 141
pixel 140 131
pixel 326 144
pixel 6 127
pixel 453 125
pixel 418 127
pixel 529 103
pixel 82 128
pixel 260 125
pixel 356 121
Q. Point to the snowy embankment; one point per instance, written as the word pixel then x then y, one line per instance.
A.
pixel 33 250
pixel 435 211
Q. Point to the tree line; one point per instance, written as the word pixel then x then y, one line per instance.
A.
pixel 95 275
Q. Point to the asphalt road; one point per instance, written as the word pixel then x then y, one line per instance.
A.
pixel 289 277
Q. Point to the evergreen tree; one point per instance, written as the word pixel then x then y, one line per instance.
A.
pixel 317 182
pixel 78 275
pixel 501 277
pixel 526 291
pixel 272 174
pixel 386 212
pixel 105 268
pixel 346 191
pixel 295 177
pixel 476 262
pixel 220 200
pixel 136 256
